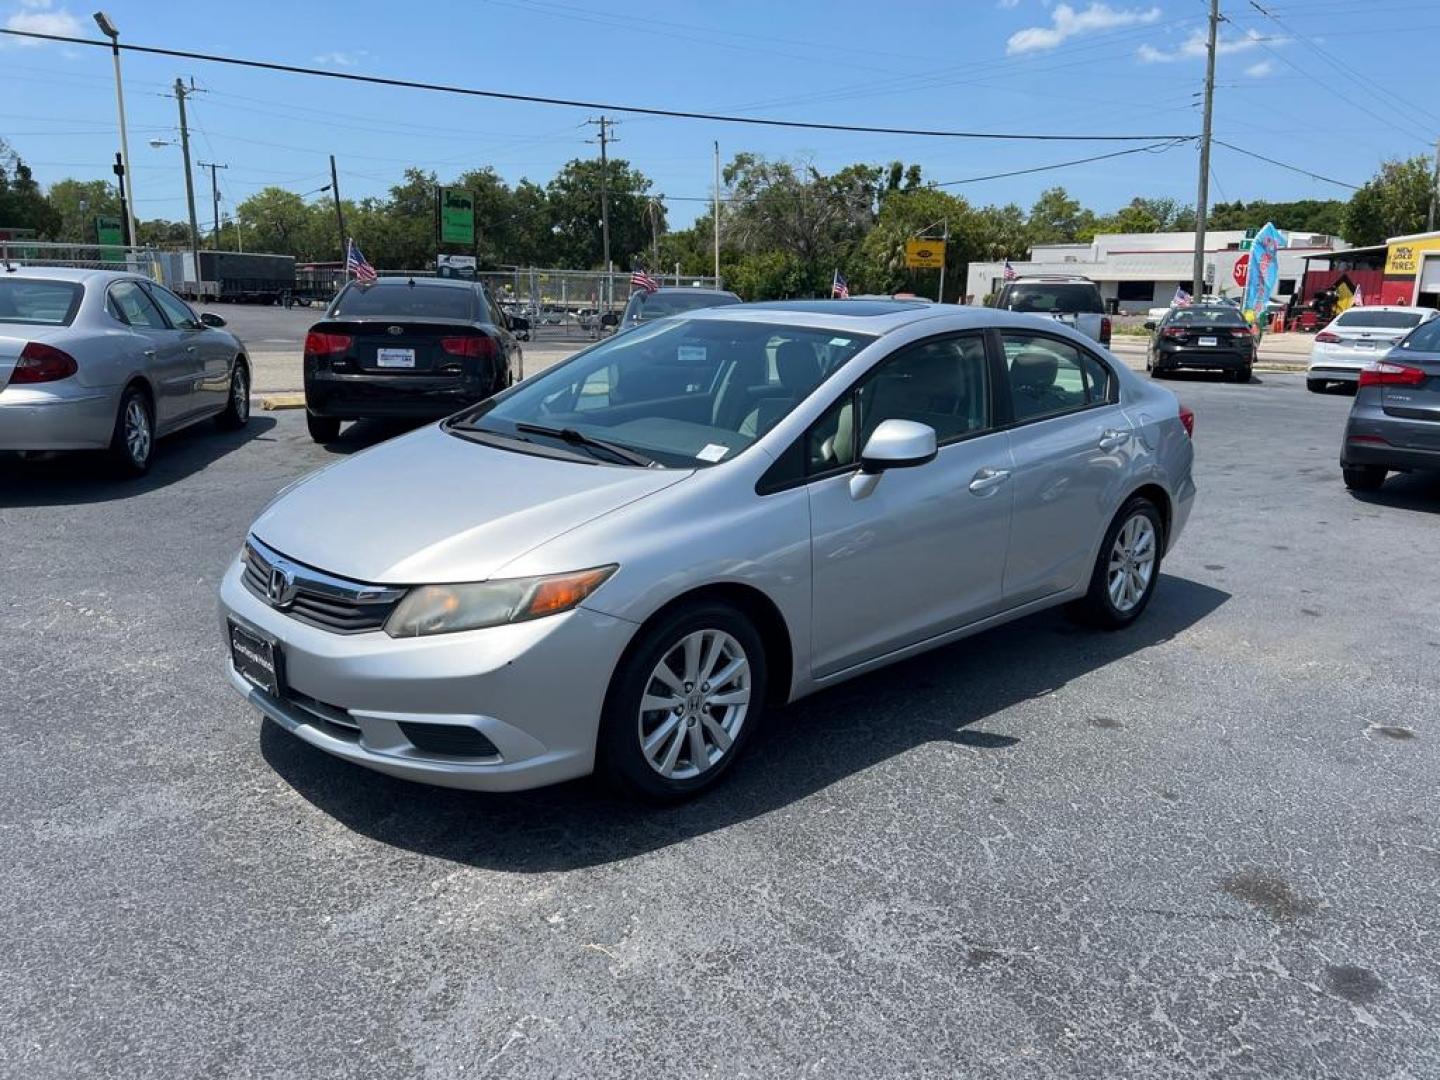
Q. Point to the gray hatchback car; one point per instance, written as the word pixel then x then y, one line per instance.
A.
pixel 622 562
pixel 1394 423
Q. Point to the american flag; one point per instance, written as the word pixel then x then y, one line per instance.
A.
pixel 840 288
pixel 639 279
pixel 1010 274
pixel 356 263
pixel 1181 298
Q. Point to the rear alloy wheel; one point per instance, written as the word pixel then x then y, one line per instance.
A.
pixel 237 406
pixel 1316 386
pixel 1363 477
pixel 683 703
pixel 1127 568
pixel 133 441
pixel 323 429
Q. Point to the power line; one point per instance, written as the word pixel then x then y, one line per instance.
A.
pixel 1159 147
pixel 1283 165
pixel 534 99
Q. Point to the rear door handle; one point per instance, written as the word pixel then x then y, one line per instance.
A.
pixel 1110 440
pixel 987 479
pixel 150 353
pixel 190 348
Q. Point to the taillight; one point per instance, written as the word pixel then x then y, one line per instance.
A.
pixel 1384 373
pixel 1172 332
pixel 1187 417
pixel 318 343
pixel 477 346
pixel 1327 338
pixel 1104 331
pixel 43 363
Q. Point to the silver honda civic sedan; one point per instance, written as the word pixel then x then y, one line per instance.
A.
pixel 621 563
pixel 109 360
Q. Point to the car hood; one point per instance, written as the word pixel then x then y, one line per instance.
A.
pixel 430 507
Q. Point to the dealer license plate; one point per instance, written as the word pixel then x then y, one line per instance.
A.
pixel 404 358
pixel 1209 341
pixel 256 658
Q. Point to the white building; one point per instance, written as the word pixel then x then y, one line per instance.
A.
pixel 1139 271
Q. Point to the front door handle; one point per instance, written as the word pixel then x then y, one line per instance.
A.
pixel 190 348
pixel 1110 440
pixel 150 353
pixel 988 479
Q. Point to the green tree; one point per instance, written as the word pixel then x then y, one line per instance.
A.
pixel 905 214
pixel 1394 203
pixel 77 202
pixel 573 202
pixel 278 221
pixel 1303 215
pixel 1056 218
pixel 22 204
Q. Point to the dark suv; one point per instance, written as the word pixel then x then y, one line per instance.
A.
pixel 406 347
pixel 1072 300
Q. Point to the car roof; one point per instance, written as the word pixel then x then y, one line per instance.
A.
pixel 865 316
pixel 77 274
pixel 1051 279
pixel 686 289
pixel 426 282
pixel 1407 309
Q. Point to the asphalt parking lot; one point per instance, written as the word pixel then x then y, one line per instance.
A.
pixel 1204 846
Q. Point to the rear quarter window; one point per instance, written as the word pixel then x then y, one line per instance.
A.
pixel 39 303
pixel 1424 338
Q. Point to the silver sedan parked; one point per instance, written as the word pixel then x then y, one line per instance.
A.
pixel 622 562
pixel 98 359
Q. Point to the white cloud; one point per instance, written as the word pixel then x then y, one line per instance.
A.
pixel 1195 46
pixel 339 59
pixel 1260 70
pixel 1066 22
pixel 39 20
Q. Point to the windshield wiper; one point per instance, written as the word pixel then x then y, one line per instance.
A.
pixel 579 438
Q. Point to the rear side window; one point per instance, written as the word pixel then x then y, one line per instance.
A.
pixel 1049 377
pixel 403 300
pixel 1060 297
pixel 1424 338
pixel 38 303
pixel 1379 320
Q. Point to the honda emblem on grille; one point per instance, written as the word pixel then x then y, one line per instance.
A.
pixel 280 589
pixel 396 330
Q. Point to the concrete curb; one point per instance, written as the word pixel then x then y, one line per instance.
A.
pixel 289 399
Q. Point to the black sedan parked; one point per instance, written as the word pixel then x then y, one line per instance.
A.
pixel 1394 423
pixel 1203 337
pixel 406 347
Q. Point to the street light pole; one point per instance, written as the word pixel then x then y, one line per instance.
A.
pixel 108 29
pixel 1202 200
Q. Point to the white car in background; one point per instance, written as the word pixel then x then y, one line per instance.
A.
pixel 1356 337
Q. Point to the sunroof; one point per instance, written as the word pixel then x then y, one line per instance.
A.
pixel 847 308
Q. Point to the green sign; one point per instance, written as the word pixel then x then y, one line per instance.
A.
pixel 110 234
pixel 456 211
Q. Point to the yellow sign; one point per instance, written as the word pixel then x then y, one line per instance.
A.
pixel 925 254
pixel 1403 259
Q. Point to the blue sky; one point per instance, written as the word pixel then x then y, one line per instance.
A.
pixel 1333 87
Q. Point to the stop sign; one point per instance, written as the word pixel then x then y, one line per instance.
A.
pixel 1242 270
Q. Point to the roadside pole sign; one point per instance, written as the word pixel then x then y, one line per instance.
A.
pixel 455 216
pixel 459 266
pixel 1242 270
pixel 924 254
pixel 110 235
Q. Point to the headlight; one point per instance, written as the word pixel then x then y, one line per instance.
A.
pixel 444 609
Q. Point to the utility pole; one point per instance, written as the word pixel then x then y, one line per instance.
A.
pixel 1434 190
pixel 604 124
pixel 1202 200
pixel 214 195
pixel 181 91
pixel 339 213
pixel 944 253
pixel 653 206
pixel 717 213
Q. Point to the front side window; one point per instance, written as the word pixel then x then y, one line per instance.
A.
pixel 135 306
pixel 940 383
pixel 685 393
pixel 176 310
pixel 1049 376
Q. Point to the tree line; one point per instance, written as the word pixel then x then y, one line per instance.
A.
pixel 786 226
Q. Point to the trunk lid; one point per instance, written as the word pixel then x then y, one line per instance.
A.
pixel 1420 402
pixel 407 346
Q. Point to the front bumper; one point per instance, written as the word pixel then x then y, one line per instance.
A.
pixel 534 690
pixel 56 417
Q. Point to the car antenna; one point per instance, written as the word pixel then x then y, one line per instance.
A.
pixel 412 282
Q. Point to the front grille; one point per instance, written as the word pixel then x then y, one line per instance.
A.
pixel 314 597
pixel 453 739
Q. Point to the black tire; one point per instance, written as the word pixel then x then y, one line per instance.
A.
pixel 1363 477
pixel 237 405
pixel 1242 376
pixel 620 758
pixel 1316 386
pixel 323 429
pixel 129 455
pixel 1097 608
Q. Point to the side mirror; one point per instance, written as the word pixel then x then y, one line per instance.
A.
pixel 209 318
pixel 898 444
pixel 1150 325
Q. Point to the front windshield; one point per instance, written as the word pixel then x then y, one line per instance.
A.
pixel 685 393
pixel 658 305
